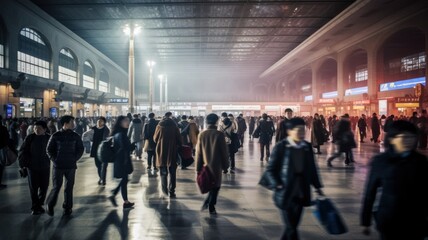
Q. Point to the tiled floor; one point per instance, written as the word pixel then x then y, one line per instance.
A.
pixel 245 210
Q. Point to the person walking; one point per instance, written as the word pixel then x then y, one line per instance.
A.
pixel 168 139
pixel 193 133
pixel 242 128
pixel 375 126
pixel 135 134
pixel 290 172
pixel 65 148
pixel 423 128
pixel 401 175
pixel 265 130
pixel 226 126
pixel 281 130
pixel 149 132
pixel 33 158
pixel 362 127
pixel 100 133
pixel 122 160
pixel 345 141
pixel 318 133
pixel 251 126
pixel 212 152
pixel 4 142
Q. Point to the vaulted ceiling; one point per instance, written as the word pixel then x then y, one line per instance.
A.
pixel 200 44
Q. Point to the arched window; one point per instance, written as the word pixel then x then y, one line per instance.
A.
pixel 33 53
pixel 103 84
pixel 88 75
pixel 67 67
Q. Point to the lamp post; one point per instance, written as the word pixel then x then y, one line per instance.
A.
pixel 161 92
pixel 166 93
pixel 131 30
pixel 151 64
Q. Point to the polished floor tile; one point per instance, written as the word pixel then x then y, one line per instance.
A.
pixel 245 210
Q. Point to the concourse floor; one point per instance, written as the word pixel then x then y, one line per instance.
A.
pixel 245 210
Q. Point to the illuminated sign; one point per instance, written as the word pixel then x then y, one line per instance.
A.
pixel 383 107
pixel 118 100
pixel 407 100
pixel 236 107
pixel 273 108
pixel 403 84
pixel 361 102
pixel 407 105
pixel 326 100
pixel 308 98
pixel 329 94
pixel 356 91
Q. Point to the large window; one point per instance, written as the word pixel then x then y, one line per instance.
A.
pixel 120 92
pixel 103 83
pixel 413 62
pixel 67 68
pixel 361 74
pixel 33 53
pixel 88 75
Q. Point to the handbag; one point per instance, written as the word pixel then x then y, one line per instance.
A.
pixel 329 217
pixel 8 157
pixel 205 180
pixel 146 145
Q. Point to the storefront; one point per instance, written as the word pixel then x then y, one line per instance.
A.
pixel 326 107
pixel 65 108
pixel 406 106
pixel 30 107
pixel 360 107
pixel 247 110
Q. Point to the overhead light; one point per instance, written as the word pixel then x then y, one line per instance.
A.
pixel 136 29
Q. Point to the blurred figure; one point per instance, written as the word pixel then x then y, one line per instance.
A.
pixel 212 152
pixel 168 140
pixel 317 133
pixel 4 142
pixel 251 126
pixel 34 159
pixel 291 172
pixel 362 127
pixel 226 127
pixel 345 140
pixel 149 132
pixel 242 128
pixel 414 119
pixel 281 130
pixel 135 135
pixel 122 160
pixel 401 175
pixel 193 133
pixel 423 128
pixel 266 130
pixel 375 127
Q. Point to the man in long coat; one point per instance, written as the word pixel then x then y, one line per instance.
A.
pixel 168 139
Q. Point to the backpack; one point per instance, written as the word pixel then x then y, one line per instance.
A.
pixel 106 151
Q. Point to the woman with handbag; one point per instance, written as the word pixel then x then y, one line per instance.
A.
pixel 290 173
pixel 122 160
pixel 212 154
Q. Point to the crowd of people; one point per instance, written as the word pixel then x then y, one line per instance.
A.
pixel 213 142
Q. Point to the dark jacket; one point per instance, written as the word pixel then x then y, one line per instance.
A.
pixel 184 131
pixel 318 133
pixel 65 148
pixel 32 153
pixel 135 131
pixel 280 171
pixel 242 125
pixel 266 130
pixel 99 136
pixel 4 136
pixel 281 130
pixel 362 124
pixel 149 131
pixel 122 160
pixel 375 126
pixel 402 204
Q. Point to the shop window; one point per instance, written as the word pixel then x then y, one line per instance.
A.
pixel 361 74
pixel 103 84
pixel 413 62
pixel 67 68
pixel 120 92
pixel 88 75
pixel 33 54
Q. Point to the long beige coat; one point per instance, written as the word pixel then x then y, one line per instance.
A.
pixel 193 133
pixel 212 151
pixel 167 138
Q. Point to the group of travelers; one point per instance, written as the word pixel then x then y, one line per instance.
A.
pixel 291 165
